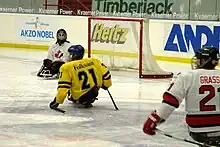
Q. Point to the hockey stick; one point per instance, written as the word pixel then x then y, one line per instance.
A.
pixel 180 139
pixel 58 110
pixel 116 108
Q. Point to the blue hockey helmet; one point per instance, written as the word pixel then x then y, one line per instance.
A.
pixel 76 51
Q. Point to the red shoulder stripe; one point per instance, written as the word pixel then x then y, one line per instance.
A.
pixel 170 100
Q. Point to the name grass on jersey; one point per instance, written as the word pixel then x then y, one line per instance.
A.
pixel 209 79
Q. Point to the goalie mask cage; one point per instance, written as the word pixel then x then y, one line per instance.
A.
pixel 123 44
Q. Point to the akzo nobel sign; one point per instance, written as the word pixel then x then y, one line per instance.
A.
pixel 40 29
pixel 37 29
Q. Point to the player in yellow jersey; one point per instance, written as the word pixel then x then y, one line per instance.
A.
pixel 82 78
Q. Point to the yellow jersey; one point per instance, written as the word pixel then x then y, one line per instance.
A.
pixel 79 76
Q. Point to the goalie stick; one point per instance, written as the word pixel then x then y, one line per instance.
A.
pixel 181 139
pixel 116 108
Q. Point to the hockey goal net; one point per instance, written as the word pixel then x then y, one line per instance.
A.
pixel 123 44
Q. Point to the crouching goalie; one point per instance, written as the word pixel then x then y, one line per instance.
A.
pixel 57 56
pixel 81 79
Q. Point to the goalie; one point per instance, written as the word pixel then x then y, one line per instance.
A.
pixel 57 55
pixel 81 79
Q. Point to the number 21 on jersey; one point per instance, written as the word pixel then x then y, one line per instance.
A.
pixel 84 76
pixel 212 94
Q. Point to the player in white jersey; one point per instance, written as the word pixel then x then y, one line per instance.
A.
pixel 57 55
pixel 201 90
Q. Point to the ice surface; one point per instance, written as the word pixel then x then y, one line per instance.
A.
pixel 27 121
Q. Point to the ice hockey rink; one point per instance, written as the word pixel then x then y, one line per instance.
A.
pixel 27 121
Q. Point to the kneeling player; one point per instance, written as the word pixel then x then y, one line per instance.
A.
pixel 57 55
pixel 200 88
pixel 82 78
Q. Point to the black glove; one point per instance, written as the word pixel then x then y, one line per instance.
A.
pixel 103 87
pixel 54 104
pixel 47 63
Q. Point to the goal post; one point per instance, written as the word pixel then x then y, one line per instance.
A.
pixel 123 44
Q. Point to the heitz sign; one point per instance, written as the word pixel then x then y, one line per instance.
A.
pixel 190 38
pixel 107 34
pixel 39 30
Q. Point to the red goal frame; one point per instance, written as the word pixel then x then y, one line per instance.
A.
pixel 141 21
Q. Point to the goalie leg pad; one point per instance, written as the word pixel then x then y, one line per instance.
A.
pixel 49 68
pixel 45 70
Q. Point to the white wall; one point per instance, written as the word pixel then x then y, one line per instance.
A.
pixel 202 33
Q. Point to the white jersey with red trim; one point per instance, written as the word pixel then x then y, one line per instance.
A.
pixel 58 52
pixel 201 90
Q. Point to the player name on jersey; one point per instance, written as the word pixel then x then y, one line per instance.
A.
pixel 77 67
pixel 211 79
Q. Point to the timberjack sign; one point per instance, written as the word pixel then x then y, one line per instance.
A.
pixel 144 6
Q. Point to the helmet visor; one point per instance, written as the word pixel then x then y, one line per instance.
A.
pixel 61 36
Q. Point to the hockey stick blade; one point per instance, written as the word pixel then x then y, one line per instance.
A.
pixel 116 108
pixel 59 110
pixel 180 139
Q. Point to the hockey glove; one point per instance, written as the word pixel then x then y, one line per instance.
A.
pixel 54 104
pixel 151 123
pixel 104 87
pixel 47 63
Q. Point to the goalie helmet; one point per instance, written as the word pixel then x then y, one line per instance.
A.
pixel 206 57
pixel 76 52
pixel 61 36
